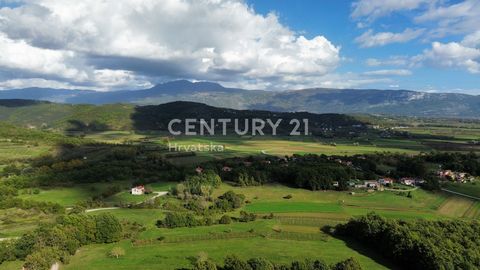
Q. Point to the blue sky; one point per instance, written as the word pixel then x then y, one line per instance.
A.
pixel 333 19
pixel 426 45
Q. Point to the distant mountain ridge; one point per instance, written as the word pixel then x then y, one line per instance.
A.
pixel 316 100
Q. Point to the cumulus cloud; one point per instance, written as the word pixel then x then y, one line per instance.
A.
pixel 18 55
pixel 371 39
pixel 373 9
pixel 451 55
pixel 389 72
pixel 222 40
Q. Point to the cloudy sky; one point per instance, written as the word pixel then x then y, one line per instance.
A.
pixel 427 45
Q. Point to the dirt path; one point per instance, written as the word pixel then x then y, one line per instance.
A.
pixel 8 238
pixel 100 209
pixel 402 190
pixel 157 194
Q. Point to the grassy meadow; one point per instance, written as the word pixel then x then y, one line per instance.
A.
pixel 293 233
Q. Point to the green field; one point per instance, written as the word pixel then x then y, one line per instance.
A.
pixel 472 189
pixel 282 239
pixel 69 196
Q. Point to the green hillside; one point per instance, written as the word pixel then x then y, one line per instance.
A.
pixel 61 116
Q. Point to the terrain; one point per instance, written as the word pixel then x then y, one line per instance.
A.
pixel 317 100
pixel 64 159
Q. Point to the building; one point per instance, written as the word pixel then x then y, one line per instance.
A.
pixel 371 184
pixel 226 169
pixel 386 181
pixel 408 181
pixel 138 190
pixel 199 170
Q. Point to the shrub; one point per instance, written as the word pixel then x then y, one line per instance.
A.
pixel 225 219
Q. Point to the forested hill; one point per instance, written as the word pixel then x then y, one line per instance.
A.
pixel 47 115
pixel 157 118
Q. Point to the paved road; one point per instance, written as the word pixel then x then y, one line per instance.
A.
pixel 461 194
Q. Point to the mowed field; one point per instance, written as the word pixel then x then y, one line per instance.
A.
pixel 12 151
pixel 293 233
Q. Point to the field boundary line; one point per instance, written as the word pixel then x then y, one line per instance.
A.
pixel 461 194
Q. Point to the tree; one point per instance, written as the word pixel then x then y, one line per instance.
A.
pixel 42 259
pixel 260 264
pixel 348 264
pixel 117 252
pixel 232 262
pixel 109 228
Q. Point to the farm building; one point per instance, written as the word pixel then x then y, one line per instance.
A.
pixel 138 190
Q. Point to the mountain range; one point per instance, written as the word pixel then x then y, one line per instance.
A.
pixel 314 100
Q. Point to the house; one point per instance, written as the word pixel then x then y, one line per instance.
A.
pixel 360 185
pixel 371 184
pixel 199 170
pixel 408 181
pixel 138 190
pixel 226 169
pixel 335 184
pixel 386 181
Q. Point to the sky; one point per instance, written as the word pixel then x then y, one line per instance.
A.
pixel 424 45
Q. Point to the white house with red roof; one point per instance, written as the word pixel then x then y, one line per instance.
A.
pixel 138 190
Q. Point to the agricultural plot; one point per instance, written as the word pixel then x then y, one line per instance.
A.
pixel 456 206
pixel 12 151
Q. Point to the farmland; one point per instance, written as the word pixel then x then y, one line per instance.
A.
pixel 294 231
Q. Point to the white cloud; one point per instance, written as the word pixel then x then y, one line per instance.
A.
pixel 391 61
pixel 18 55
pixel 472 40
pixel 34 82
pixel 451 55
pixel 370 39
pixel 452 19
pixel 220 40
pixel 389 72
pixel 373 9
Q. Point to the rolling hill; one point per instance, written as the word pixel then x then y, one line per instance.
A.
pixel 317 100
pixel 85 117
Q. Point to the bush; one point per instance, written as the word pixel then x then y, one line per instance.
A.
pixel 225 219
pixel 178 219
pixel 247 217
pixel 348 264
pixel 229 201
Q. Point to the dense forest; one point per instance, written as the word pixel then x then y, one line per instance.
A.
pixel 419 244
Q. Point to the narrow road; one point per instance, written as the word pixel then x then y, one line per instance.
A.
pixel 461 194
pixel 157 194
pixel 100 209
pixel 402 190
pixel 8 238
